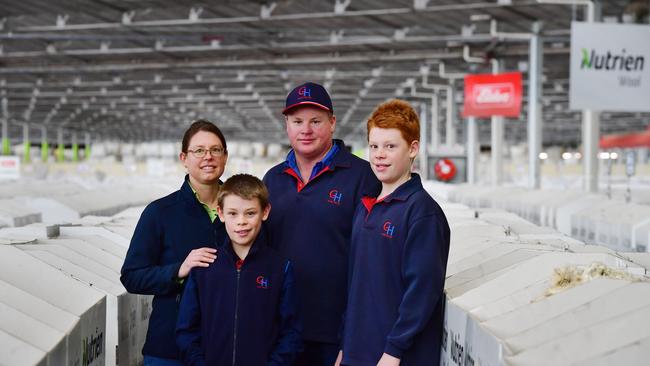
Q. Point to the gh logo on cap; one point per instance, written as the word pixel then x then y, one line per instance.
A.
pixel 304 92
pixel 310 94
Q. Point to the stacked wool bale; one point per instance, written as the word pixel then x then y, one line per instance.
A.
pixel 90 255
pixel 592 218
pixel 520 294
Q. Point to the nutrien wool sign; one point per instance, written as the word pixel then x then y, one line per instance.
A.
pixel 610 67
pixel 489 95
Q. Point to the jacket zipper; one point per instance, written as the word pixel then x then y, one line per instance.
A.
pixel 234 341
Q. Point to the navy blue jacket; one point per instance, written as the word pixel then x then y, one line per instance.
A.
pixel 168 229
pixel 240 312
pixel 398 262
pixel 311 225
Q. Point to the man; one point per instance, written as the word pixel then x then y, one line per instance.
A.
pixel 314 194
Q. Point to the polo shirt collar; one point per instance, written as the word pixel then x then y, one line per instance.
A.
pixel 211 212
pixel 403 192
pixel 337 156
pixel 189 194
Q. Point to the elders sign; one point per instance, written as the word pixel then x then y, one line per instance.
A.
pixel 488 95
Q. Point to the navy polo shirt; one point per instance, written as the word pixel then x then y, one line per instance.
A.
pixel 311 224
pixel 398 261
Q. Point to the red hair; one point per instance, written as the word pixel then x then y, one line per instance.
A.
pixel 397 114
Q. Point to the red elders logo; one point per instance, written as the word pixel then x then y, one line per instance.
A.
pixel 489 95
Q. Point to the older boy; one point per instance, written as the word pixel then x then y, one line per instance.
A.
pixel 241 310
pixel 398 258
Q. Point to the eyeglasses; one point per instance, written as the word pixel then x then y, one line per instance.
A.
pixel 216 152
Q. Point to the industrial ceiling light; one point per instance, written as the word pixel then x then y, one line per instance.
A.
pixel 480 17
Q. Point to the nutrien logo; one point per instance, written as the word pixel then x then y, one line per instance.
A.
pixel 389 228
pixel 610 61
pixel 92 347
pixel 335 197
pixel 304 92
pixel 262 282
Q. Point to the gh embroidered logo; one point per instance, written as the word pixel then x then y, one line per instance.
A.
pixel 389 229
pixel 335 197
pixel 262 282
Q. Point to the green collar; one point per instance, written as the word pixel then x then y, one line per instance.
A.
pixel 211 212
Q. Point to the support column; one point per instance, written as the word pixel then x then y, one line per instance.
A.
pixel 472 149
pixel 497 151
pixel 590 137
pixel 534 108
pixel 435 122
pixel 75 148
pixel 86 145
pixel 451 114
pixel 497 142
pixel 591 128
pixel 423 141
pixel 644 156
pixel 59 149
pixel 27 155
pixel 6 146
pixel 45 147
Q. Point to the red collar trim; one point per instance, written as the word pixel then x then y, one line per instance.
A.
pixel 299 183
pixel 370 202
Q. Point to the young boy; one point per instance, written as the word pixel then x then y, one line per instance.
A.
pixel 398 255
pixel 241 310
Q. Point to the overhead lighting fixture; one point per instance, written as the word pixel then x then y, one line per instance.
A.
pixel 480 17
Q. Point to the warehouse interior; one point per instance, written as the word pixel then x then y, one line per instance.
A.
pixel 550 209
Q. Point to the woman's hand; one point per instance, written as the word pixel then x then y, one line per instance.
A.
pixel 201 257
pixel 339 358
pixel 388 360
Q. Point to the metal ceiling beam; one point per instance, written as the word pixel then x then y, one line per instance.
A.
pixel 64 26
pixel 279 61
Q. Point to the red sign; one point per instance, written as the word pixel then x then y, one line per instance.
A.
pixel 8 163
pixel 636 139
pixel 488 95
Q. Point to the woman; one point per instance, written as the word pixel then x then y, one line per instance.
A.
pixel 175 234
